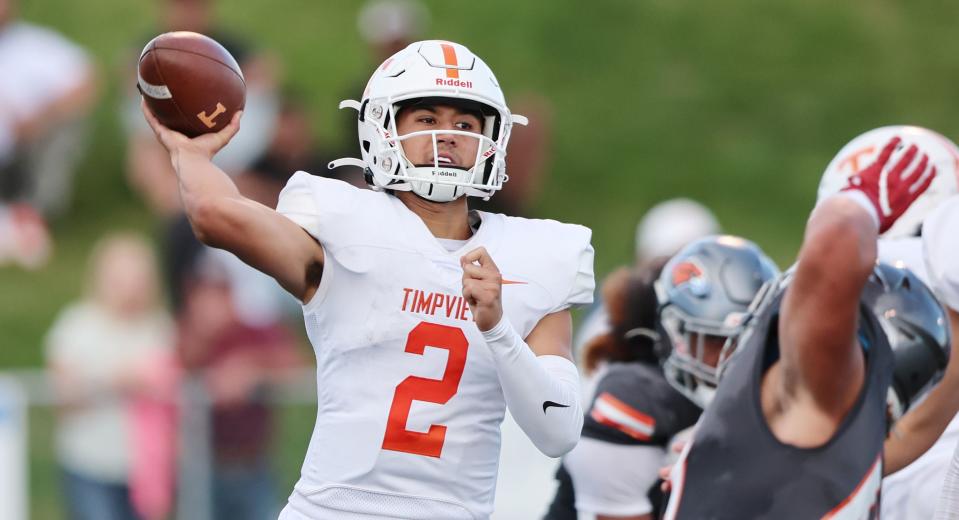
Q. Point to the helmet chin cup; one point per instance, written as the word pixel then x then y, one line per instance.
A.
pixel 438 184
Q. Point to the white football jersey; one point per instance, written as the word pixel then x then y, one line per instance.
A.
pixel 913 491
pixel 409 400
pixel 904 252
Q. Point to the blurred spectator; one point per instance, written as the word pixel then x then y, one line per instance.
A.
pixel 239 361
pixel 388 26
pixel 665 229
pixel 292 148
pixel 104 353
pixel 47 90
pixel 24 238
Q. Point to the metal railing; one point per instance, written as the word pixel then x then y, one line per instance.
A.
pixel 525 482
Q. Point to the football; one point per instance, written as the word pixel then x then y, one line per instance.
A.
pixel 190 82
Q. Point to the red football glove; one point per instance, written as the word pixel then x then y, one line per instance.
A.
pixel 888 188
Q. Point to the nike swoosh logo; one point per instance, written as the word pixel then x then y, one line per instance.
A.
pixel 547 404
pixel 508 282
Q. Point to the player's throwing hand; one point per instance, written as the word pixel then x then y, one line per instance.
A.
pixel 206 145
pixel 482 288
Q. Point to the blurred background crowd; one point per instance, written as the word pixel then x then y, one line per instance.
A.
pixel 148 338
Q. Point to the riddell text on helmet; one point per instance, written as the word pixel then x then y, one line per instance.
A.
pixel 454 83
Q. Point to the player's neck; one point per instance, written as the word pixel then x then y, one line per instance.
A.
pixel 444 219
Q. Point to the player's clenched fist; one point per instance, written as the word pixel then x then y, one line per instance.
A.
pixel 482 288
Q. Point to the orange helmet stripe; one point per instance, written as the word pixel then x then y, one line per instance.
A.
pixel 449 56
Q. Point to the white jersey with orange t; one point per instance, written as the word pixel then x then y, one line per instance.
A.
pixel 409 399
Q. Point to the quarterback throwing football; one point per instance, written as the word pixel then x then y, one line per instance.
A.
pixel 428 319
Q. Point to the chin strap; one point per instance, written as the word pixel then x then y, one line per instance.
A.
pixel 516 118
pixel 350 103
pixel 346 161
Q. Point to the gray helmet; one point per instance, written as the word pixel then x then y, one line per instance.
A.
pixel 704 293
pixel 917 328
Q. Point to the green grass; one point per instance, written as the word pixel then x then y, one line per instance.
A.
pixel 739 104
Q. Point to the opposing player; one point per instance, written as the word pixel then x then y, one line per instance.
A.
pixel 704 294
pixel 427 319
pixel 913 491
pixel 797 427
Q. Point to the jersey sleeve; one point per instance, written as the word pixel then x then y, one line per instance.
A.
pixel 296 203
pixel 581 283
pixel 334 212
pixel 940 243
pixel 634 405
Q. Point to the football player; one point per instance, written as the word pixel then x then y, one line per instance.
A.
pixel 704 294
pixel 797 427
pixel 660 234
pixel 913 491
pixel 428 320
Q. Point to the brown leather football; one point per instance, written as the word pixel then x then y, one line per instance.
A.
pixel 190 82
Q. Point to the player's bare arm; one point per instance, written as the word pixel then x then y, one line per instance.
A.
pixel 923 424
pixel 919 429
pixel 221 217
pixel 806 395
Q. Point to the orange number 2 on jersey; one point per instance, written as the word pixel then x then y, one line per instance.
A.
pixel 414 388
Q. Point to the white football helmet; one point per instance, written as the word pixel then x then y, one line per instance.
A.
pixel 863 150
pixel 432 69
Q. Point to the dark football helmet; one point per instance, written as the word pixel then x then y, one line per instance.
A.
pixel 704 293
pixel 917 327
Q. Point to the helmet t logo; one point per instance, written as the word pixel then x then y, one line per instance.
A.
pixel 853 159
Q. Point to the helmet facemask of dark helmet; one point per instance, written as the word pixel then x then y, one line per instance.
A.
pixel 705 293
pixel 700 352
